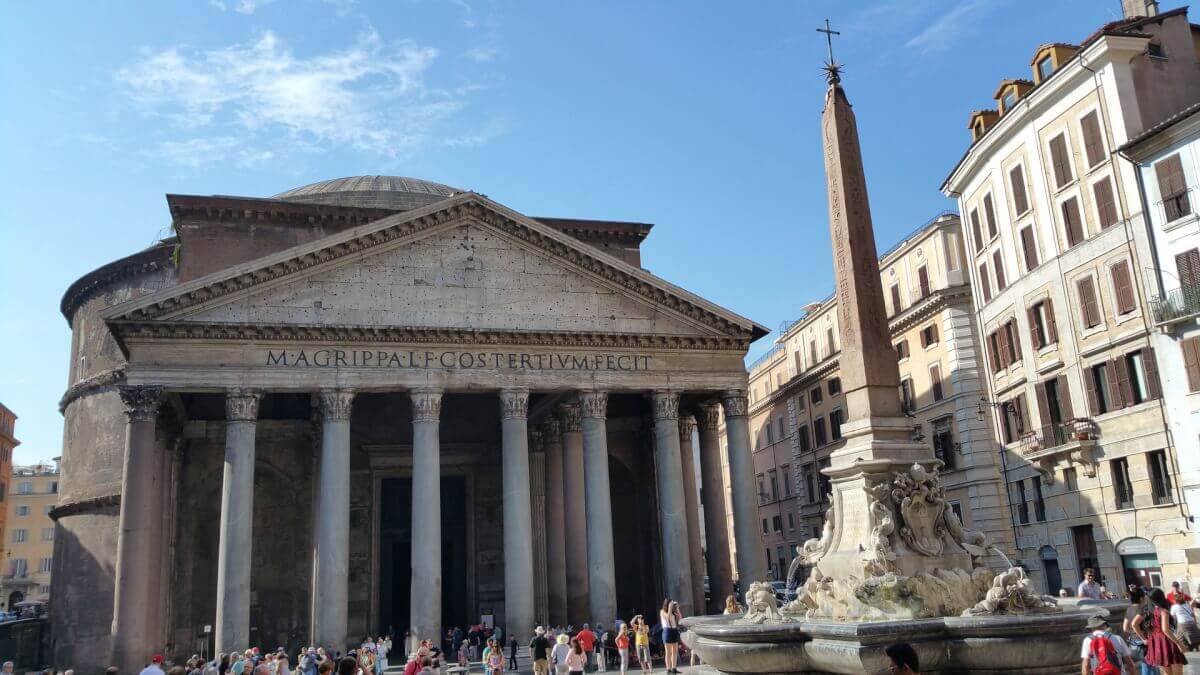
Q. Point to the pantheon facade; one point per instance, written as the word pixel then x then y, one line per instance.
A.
pixel 383 404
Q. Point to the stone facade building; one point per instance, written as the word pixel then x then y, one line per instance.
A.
pixel 1058 252
pixel 797 405
pixel 381 403
pixel 29 537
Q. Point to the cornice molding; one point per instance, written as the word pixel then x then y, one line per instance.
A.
pixel 182 330
pixel 105 380
pixel 84 506
pixel 148 261
pixel 410 224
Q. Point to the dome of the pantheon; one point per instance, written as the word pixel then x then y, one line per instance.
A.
pixel 385 192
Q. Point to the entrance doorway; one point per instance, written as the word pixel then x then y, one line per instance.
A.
pixel 1049 556
pixel 1139 562
pixel 395 553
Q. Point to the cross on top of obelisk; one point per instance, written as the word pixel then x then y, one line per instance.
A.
pixel 833 71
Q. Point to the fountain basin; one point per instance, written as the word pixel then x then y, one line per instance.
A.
pixel 1035 643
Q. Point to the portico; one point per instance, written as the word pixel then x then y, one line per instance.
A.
pixel 343 381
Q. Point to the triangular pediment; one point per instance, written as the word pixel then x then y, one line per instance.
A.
pixel 463 264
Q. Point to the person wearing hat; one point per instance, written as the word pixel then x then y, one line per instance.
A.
pixel 1104 653
pixel 558 655
pixel 539 647
pixel 155 667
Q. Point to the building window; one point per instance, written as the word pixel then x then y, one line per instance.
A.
pixel 1173 188
pixel 791 521
pixel 935 382
pixel 1011 342
pixel 812 353
pixel 819 431
pixel 1045 68
pixel 957 509
pixel 943 442
pixel 923 280
pixel 896 307
pixel 998 263
pixel 1071 222
pixel 1043 332
pixel 1099 391
pixel 766 530
pixel 1020 199
pixel 20 535
pixel 1187 264
pixel 1089 305
pixel 767 433
pixel 1093 145
pixel 1029 247
pixel 1015 420
pixel 786 473
pixel 805 444
pixel 815 395
pixel 1071 479
pixel 773 479
pixel 1123 287
pixel 929 335
pixel 1160 477
pixel 1039 501
pixel 1191 361
pixel 1155 50
pixel 53 487
pixel 985 284
pixel 835 386
pixel 44 564
pixel 906 395
pixel 902 350
pixel 25 487
pixel 810 483
pixel 1106 205
pixel 1018 501
pixel 824 483
pixel 1122 486
pixel 830 342
pixel 1143 375
pixel 1008 100
pixel 975 231
pixel 762 490
pixel 989 215
pixel 22 510
pixel 776 524
pixel 1061 161
pixel 18 567
pixel 782 431
pixel 835 424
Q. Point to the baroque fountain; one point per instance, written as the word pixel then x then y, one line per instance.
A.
pixel 893 562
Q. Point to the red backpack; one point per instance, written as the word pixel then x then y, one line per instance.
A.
pixel 1104 656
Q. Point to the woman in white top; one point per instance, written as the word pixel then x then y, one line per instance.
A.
pixel 668 618
pixel 558 655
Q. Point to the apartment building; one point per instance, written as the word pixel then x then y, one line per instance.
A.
pixel 797 406
pixel 29 539
pixel 8 443
pixel 1058 253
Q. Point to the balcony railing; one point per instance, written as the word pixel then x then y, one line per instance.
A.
pixel 1054 435
pixel 1178 303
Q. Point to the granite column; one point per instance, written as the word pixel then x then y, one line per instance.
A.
pixel 138 539
pixel 556 552
pixel 676 564
pixel 750 564
pixel 425 615
pixel 575 521
pixel 518 517
pixel 691 502
pixel 234 548
pixel 602 575
pixel 331 521
pixel 712 495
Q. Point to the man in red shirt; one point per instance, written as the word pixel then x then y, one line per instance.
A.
pixel 1176 593
pixel 587 640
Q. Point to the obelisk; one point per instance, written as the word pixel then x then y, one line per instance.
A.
pixel 887 522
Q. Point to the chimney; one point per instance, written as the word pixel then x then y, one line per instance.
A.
pixel 1134 8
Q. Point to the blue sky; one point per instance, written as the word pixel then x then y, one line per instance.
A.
pixel 700 117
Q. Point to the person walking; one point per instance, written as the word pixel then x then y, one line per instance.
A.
pixel 1163 649
pixel 587 640
pixel 512 653
pixel 155 666
pixel 1089 588
pixel 622 643
pixel 558 655
pixel 1185 622
pixel 495 658
pixel 576 658
pixel 1177 593
pixel 1104 653
pixel 668 618
pixel 641 640
pixel 539 648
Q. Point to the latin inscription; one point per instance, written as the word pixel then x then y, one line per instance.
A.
pixel 453 360
pixel 853 509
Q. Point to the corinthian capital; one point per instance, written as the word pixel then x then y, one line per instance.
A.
pixel 241 405
pixel 335 404
pixel 141 402
pixel 514 404
pixel 710 416
pixel 551 430
pixel 536 443
pixel 571 417
pixel 666 404
pixel 687 424
pixel 736 404
pixel 594 404
pixel 426 405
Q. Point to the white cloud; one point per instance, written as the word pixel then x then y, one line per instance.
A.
pixel 240 6
pixel 482 54
pixel 371 96
pixel 949 28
